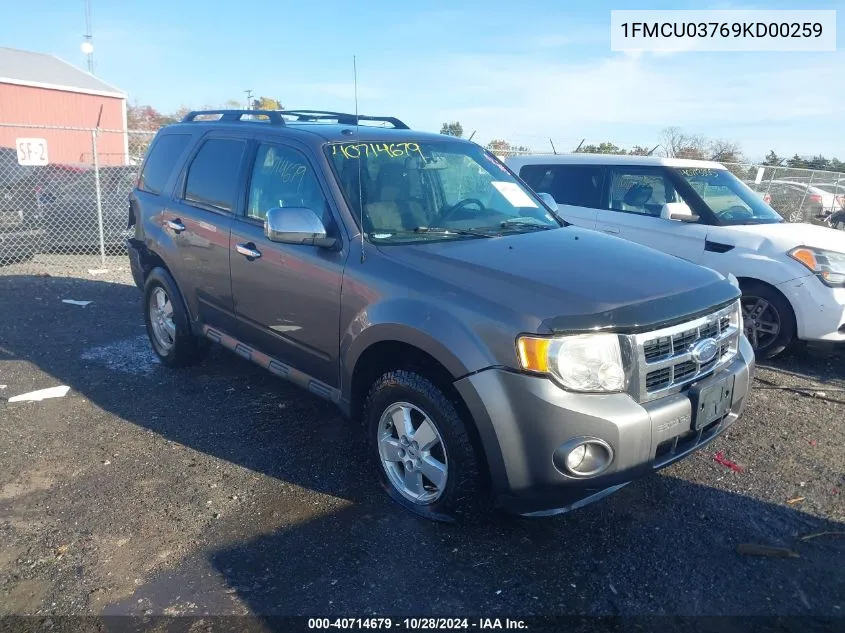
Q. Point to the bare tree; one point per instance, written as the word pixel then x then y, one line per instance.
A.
pixel 725 151
pixel 677 144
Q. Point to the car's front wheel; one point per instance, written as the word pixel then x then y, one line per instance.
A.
pixel 768 318
pixel 426 460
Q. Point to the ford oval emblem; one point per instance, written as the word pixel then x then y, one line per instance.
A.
pixel 704 351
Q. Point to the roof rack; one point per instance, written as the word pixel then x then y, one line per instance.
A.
pixel 276 117
pixel 229 116
pixel 342 118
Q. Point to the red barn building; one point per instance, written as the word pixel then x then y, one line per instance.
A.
pixel 64 104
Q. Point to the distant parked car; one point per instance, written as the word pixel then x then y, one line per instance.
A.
pixel 18 237
pixel 835 189
pixel 61 202
pixel 799 201
pixel 68 209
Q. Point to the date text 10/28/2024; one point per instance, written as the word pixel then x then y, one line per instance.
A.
pixel 417 624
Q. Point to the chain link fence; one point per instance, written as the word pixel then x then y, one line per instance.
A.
pixel 68 207
pixel 64 195
pixel 798 195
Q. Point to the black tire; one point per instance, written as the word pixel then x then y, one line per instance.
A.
pixel 186 348
pixel 778 307
pixel 464 493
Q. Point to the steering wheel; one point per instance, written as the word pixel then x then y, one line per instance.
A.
pixel 737 212
pixel 447 214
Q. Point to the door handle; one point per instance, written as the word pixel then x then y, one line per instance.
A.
pixel 176 225
pixel 248 250
pixel 610 229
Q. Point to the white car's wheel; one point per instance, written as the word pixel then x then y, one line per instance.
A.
pixel 768 317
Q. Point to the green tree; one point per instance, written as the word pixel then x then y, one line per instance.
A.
pixel 601 148
pixel 452 129
pixel 772 159
pixel 818 162
pixel 796 162
pixel 639 150
pixel 502 148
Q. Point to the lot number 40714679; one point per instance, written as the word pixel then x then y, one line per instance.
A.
pixel 31 151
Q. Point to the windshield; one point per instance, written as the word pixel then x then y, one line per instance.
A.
pixel 732 201
pixel 413 191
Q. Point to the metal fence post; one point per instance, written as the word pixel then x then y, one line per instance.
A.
pixel 806 191
pixel 99 197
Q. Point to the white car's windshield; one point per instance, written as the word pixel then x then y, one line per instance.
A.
pixel 731 201
pixel 412 191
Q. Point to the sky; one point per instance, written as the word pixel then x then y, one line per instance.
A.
pixel 522 71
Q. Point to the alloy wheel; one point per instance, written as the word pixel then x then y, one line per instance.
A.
pixel 161 319
pixel 412 453
pixel 762 321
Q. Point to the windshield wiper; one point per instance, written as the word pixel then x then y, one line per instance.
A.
pixel 525 224
pixel 444 231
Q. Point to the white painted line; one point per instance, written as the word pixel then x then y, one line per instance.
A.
pixel 74 302
pixel 41 394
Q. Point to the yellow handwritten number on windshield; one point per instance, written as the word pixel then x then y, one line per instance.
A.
pixel 392 150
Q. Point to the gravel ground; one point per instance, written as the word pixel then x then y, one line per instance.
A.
pixel 221 489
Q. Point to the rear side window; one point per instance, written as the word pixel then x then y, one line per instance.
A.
pixel 642 191
pixel 213 174
pixel 576 185
pixel 162 161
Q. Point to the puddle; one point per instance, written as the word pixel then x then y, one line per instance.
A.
pixel 130 356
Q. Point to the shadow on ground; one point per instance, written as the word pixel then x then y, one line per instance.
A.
pixel 663 545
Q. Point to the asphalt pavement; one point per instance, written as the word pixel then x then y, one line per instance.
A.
pixel 220 489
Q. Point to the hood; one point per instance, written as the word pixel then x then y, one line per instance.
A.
pixel 780 238
pixel 569 278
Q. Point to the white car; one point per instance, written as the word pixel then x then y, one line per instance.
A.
pixel 792 276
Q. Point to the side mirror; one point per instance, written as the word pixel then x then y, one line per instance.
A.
pixel 296 225
pixel 547 198
pixel 678 211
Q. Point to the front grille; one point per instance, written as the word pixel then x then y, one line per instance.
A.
pixel 665 359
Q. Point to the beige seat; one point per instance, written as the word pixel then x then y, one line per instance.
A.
pixel 392 209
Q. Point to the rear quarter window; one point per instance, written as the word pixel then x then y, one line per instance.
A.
pixel 575 185
pixel 162 161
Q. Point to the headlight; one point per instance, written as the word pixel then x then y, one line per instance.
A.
pixel 582 362
pixel 829 266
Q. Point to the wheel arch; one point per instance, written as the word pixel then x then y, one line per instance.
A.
pixel 387 355
pixel 745 283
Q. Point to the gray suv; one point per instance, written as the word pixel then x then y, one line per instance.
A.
pixel 497 356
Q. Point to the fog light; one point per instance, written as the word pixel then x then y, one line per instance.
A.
pixel 575 457
pixel 583 457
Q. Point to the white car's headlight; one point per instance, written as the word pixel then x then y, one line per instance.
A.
pixel 589 363
pixel 829 266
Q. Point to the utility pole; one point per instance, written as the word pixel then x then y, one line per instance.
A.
pixel 248 99
pixel 88 45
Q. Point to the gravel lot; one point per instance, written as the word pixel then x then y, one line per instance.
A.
pixel 223 490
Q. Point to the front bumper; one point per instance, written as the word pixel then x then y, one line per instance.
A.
pixel 523 419
pixel 819 309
